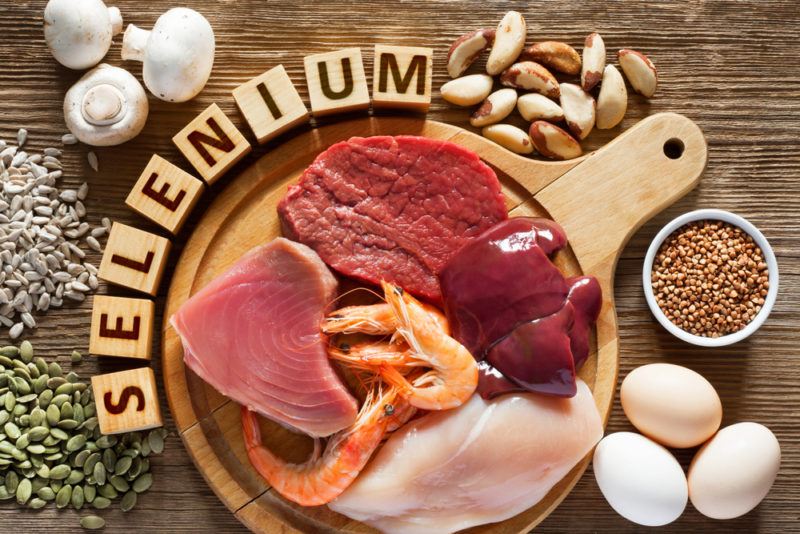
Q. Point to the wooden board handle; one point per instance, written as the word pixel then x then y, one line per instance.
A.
pixel 604 200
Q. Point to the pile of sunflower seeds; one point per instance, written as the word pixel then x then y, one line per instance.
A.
pixel 41 231
pixel 51 448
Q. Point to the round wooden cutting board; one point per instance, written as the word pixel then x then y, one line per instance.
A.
pixel 599 199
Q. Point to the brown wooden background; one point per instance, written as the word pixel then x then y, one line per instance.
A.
pixel 730 66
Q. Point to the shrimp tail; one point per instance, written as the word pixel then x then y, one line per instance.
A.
pixel 394 378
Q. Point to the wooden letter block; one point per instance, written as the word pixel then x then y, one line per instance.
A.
pixel 270 104
pixel 211 143
pixel 122 327
pixel 165 194
pixel 134 258
pixel 402 77
pixel 336 81
pixel 126 401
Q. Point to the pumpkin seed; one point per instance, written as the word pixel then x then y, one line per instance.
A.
pixel 10 401
pixel 58 400
pixel 156 442
pixel 53 414
pixel 23 441
pixel 36 448
pixel 101 503
pixel 75 357
pixel 38 433
pixel 45 397
pixel 11 430
pixel 9 351
pixel 109 459
pixel 41 365
pixel 76 442
pixel 53 369
pixel 128 501
pixel 63 496
pixel 119 483
pixel 43 471
pixel 19 409
pixel 80 458
pixel 89 493
pixel 74 477
pixel 108 491
pixel 11 482
pixel 56 382
pixel 91 461
pixel 106 442
pixel 93 522
pixel 72 377
pixel 68 424
pixel 26 351
pixel 46 493
pixel 99 473
pixel 77 497
pixel 25 399
pixel 24 491
pixel 56 485
pixel 143 483
pixel 37 503
pixel 4 417
pixel 65 388
pixel 60 472
pixel 123 465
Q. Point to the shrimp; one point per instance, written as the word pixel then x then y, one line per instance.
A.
pixel 454 373
pixel 325 475
pixel 369 356
pixel 374 319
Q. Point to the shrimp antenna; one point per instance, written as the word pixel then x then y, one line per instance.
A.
pixel 354 290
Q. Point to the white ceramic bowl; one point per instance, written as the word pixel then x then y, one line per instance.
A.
pixel 760 240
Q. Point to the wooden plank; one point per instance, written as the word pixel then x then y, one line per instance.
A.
pixel 127 401
pixel 134 258
pixel 165 194
pixel 336 81
pixel 270 104
pixel 211 143
pixel 122 327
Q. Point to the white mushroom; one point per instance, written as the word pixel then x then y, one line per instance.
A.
pixel 107 106
pixel 177 54
pixel 79 32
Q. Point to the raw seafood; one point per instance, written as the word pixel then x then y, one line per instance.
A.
pixel 253 334
pixel 325 475
pixel 483 462
pixel 511 306
pixel 392 208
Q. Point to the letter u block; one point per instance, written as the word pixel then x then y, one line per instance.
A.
pixel 164 194
pixel 211 143
pixel 270 104
pixel 127 401
pixel 402 77
pixel 134 258
pixel 336 81
pixel 122 327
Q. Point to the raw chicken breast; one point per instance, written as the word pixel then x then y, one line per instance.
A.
pixel 253 333
pixel 480 463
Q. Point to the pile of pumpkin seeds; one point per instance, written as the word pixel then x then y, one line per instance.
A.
pixel 51 448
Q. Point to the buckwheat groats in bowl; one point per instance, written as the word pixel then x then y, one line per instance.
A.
pixel 707 275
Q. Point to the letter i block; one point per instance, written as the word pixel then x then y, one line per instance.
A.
pixel 122 327
pixel 134 258
pixel 270 104
pixel 164 194
pixel 402 77
pixel 336 81
pixel 127 401
pixel 211 143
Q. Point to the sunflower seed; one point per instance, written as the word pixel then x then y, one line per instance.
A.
pixel 22 136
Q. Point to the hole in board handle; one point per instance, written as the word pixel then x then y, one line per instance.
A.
pixel 674 148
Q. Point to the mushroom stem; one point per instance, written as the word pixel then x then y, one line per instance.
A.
pixel 115 17
pixel 134 43
pixel 103 104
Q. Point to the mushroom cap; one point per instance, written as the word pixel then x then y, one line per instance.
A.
pixel 179 55
pixel 79 32
pixel 106 132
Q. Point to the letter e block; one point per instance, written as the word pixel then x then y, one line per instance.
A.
pixel 336 81
pixel 164 194
pixel 211 143
pixel 134 258
pixel 127 401
pixel 402 77
pixel 122 327
pixel 270 104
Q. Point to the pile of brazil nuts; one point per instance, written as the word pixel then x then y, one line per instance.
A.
pixel 51 448
pixel 599 99
pixel 710 278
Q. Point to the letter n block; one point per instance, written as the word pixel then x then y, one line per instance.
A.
pixel 211 143
pixel 270 104
pixel 336 81
pixel 127 401
pixel 402 77
pixel 164 194
pixel 122 327
pixel 134 258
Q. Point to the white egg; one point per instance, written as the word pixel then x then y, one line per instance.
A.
pixel 640 479
pixel 734 471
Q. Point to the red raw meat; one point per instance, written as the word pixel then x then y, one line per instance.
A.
pixel 392 208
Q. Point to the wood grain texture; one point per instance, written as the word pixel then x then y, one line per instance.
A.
pixel 729 66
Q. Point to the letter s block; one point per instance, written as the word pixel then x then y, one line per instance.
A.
pixel 164 194
pixel 402 77
pixel 122 327
pixel 336 81
pixel 134 258
pixel 127 401
pixel 270 104
pixel 211 143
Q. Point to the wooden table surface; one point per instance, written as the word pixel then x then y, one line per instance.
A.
pixel 730 66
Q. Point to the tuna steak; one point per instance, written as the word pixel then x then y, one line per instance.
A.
pixel 392 208
pixel 253 334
